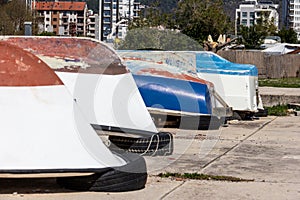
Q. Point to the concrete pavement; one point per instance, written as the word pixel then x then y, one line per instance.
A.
pixel 266 150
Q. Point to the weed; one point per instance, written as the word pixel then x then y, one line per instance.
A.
pixel 196 176
pixel 279 110
pixel 280 82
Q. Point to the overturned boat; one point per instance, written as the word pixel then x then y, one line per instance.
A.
pixel 103 88
pixel 174 93
pixel 44 132
pixel 236 84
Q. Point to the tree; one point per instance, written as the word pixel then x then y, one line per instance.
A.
pixel 153 16
pixel 200 18
pixel 153 38
pixel 253 36
pixel 288 35
pixel 13 14
pixel 166 6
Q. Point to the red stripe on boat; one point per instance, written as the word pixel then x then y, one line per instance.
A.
pixel 99 58
pixel 21 68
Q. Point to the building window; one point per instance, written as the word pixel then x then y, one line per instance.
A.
pixel 107 20
pixel 47 19
pixel 244 14
pixel 106 13
pixel 54 26
pixel 244 22
pixel 54 19
pixel 251 22
pixel 252 15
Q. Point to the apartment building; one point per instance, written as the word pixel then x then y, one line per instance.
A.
pixel 93 25
pixel 251 10
pixel 64 18
pixel 292 15
pixel 114 17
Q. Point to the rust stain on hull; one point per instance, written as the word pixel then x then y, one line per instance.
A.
pixel 164 72
pixel 168 74
pixel 98 58
pixel 21 68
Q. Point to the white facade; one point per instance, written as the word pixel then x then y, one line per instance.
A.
pixel 112 12
pixel 294 16
pixel 250 11
pixel 92 25
pixel 62 18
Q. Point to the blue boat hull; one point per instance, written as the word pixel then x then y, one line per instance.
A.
pixel 169 94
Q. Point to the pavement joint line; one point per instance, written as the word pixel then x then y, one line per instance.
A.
pixel 236 145
pixel 275 182
pixel 175 188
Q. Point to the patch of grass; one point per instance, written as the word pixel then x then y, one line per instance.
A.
pixel 280 110
pixel 196 176
pixel 280 82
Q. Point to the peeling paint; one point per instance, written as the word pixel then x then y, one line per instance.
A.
pixel 72 54
pixel 21 68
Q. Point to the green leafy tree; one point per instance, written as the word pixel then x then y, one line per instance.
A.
pixel 44 33
pixel 166 6
pixel 153 16
pixel 200 18
pixel 152 38
pixel 13 14
pixel 288 35
pixel 253 35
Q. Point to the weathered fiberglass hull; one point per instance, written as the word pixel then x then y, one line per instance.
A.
pixel 187 103
pixel 103 88
pixel 45 134
pixel 43 129
pixel 236 84
pixel 174 95
pixel 173 92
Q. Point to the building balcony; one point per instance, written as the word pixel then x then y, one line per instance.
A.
pixel 91 34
